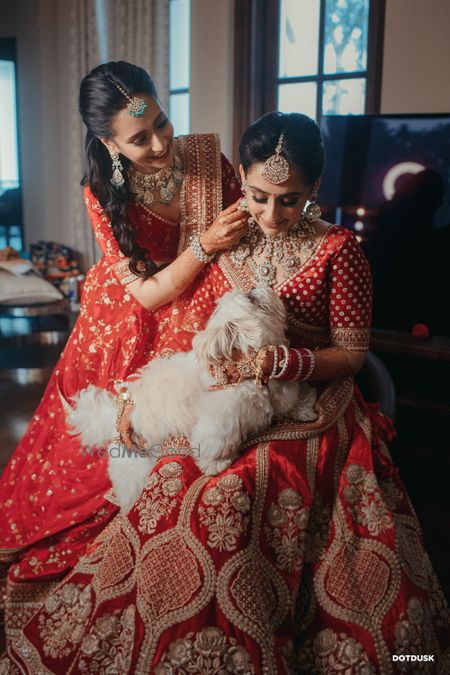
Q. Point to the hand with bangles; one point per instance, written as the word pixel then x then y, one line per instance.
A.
pixel 270 362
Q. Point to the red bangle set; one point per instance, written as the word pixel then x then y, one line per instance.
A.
pixel 300 365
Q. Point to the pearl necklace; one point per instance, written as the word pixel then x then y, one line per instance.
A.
pixel 282 248
pixel 159 187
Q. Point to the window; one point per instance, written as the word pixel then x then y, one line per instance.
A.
pixel 10 194
pixel 314 56
pixel 179 79
pixel 323 56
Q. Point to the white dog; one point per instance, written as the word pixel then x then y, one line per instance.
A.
pixel 173 395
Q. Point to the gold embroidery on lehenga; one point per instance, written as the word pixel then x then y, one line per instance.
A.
pixel 332 652
pixel 176 577
pixel 318 530
pixel 208 652
pixel 331 405
pixel 251 592
pixel 108 647
pixel 357 581
pixel 312 453
pixel 7 667
pixel 414 635
pixel 223 512
pixel 286 529
pixel 158 501
pixel 63 621
pixel 22 600
pixel 366 502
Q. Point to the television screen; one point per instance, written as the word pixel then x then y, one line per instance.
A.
pixel 387 178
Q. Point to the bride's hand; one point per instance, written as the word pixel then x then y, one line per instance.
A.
pixel 228 228
pixel 231 370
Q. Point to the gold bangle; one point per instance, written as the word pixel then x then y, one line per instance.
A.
pixel 260 376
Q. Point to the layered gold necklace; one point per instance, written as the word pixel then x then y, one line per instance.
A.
pixel 156 188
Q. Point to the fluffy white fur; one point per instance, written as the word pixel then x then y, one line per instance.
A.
pixel 172 398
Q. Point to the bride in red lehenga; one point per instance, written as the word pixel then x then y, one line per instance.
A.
pixel 305 554
pixel 52 499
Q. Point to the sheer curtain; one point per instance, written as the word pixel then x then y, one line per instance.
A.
pixel 96 31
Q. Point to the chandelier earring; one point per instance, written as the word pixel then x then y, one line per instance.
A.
pixel 243 204
pixel 312 212
pixel 117 179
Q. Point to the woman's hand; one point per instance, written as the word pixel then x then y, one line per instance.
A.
pixel 228 228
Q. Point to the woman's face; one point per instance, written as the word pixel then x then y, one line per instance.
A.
pixel 275 208
pixel 146 141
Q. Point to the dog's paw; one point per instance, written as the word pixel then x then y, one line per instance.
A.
pixel 212 467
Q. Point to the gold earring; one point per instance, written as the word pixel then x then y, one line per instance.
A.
pixel 117 179
pixel 313 210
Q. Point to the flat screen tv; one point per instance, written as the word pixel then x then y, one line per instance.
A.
pixel 387 178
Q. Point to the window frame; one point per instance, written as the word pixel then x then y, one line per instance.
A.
pixel 176 91
pixel 8 52
pixel 256 57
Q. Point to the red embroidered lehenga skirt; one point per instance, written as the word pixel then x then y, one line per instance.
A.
pixel 305 555
pixel 52 495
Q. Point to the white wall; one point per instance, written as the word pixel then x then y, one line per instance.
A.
pixel 34 25
pixel 212 69
pixel 416 57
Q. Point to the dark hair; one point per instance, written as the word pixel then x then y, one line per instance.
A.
pixel 100 100
pixel 302 145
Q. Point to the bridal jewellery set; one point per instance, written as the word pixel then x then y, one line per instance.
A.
pixel 282 248
pixel 159 187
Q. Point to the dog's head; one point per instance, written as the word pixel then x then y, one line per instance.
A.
pixel 242 321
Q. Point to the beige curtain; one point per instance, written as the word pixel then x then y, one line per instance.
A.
pixel 96 31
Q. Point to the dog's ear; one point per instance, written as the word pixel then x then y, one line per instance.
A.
pixel 266 299
pixel 214 344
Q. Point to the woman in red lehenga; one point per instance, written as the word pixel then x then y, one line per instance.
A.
pixel 53 496
pixel 305 554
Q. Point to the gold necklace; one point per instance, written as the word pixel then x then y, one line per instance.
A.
pixel 159 187
pixel 282 248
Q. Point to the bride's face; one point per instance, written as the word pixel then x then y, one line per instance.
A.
pixel 275 208
pixel 146 141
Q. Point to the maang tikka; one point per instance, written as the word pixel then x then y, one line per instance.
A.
pixel 136 106
pixel 276 168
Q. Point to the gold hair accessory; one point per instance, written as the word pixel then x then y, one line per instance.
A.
pixel 136 106
pixel 276 168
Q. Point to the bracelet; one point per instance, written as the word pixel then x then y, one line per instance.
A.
pixel 300 364
pixel 275 364
pixel 260 377
pixel 283 363
pixel 312 356
pixel 198 251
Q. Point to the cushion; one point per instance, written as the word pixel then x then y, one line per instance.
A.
pixel 26 288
